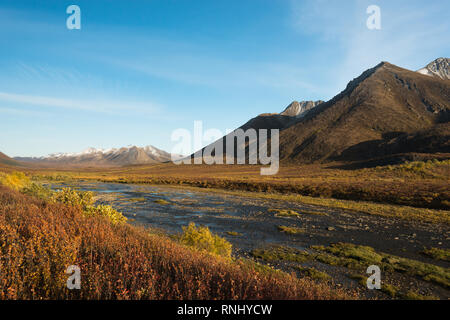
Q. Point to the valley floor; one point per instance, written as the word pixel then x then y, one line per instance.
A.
pixel 265 229
pixel 324 223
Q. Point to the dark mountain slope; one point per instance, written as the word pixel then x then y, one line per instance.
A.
pixel 5 160
pixel 384 102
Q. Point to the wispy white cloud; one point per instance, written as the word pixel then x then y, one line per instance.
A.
pixel 95 105
pixel 45 72
pixel 411 35
pixel 21 112
pixel 183 62
pixel 220 73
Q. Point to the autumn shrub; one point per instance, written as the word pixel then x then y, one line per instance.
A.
pixel 105 211
pixel 40 240
pixel 72 197
pixel 39 191
pixel 201 238
pixel 85 201
pixel 15 180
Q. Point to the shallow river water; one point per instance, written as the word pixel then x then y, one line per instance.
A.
pixel 169 208
pixel 250 222
pixel 253 222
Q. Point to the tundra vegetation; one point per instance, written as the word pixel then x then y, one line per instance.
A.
pixel 42 232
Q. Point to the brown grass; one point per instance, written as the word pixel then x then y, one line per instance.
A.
pixel 39 240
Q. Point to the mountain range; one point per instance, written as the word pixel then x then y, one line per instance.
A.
pixel 386 114
pixel 379 109
pixel 131 155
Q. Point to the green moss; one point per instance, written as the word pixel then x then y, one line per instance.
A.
pixel 390 290
pixel 291 230
pixel 394 291
pixel 359 253
pixel 284 213
pixel 438 254
pixel 314 213
pixel 337 261
pixel 411 295
pixel 281 253
pixel 362 280
pixel 252 266
pixel 360 257
pixel 314 273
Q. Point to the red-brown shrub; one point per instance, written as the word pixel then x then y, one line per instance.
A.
pixel 38 241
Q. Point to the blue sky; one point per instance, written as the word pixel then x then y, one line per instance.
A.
pixel 137 70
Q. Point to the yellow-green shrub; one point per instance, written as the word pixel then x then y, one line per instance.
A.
pixel 39 191
pixel 201 238
pixel 105 211
pixel 84 200
pixel 16 180
pixel 74 198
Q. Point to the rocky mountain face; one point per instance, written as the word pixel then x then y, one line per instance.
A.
pixel 293 112
pixel 298 109
pixel 131 155
pixel 438 68
pixel 374 116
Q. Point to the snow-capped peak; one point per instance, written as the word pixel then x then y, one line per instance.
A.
pixel 75 154
pixel 438 68
pixel 297 109
pixel 92 151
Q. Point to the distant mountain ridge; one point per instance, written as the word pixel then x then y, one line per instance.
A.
pixel 131 155
pixel 5 160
